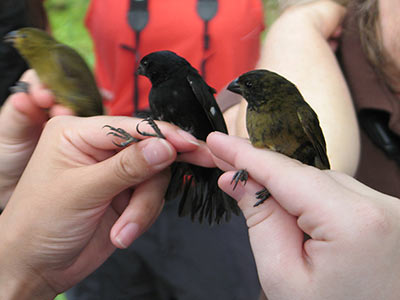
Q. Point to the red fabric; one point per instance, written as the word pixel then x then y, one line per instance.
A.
pixel 173 25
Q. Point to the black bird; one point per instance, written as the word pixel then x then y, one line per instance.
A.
pixel 278 118
pixel 180 95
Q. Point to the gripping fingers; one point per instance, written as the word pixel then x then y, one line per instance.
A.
pixel 144 207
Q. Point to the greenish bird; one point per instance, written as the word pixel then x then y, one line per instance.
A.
pixel 60 68
pixel 278 118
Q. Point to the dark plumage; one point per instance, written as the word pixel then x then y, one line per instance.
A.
pixel 279 119
pixel 60 68
pixel 180 95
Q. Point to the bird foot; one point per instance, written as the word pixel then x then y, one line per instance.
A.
pixel 262 195
pixel 153 125
pixel 20 87
pixel 122 134
pixel 241 175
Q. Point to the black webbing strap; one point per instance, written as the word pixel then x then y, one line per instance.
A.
pixel 207 9
pixel 138 17
pixel 375 124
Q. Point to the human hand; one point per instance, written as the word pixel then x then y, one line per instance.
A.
pixel 78 199
pixel 21 121
pixel 353 250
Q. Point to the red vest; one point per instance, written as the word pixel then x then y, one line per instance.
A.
pixel 172 25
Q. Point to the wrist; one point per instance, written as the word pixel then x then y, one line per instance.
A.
pixel 323 17
pixel 17 287
pixel 17 279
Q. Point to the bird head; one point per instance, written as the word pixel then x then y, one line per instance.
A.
pixel 27 40
pixel 158 66
pixel 260 86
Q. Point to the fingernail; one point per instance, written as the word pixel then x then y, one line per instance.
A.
pixel 218 133
pixel 127 235
pixel 188 137
pixel 157 151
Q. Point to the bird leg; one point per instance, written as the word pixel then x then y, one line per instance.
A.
pixel 262 195
pixel 242 175
pixel 153 125
pixel 121 133
pixel 20 87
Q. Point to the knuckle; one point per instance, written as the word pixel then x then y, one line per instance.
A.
pixel 130 168
pixel 57 122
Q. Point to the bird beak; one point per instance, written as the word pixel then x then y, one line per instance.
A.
pixel 235 87
pixel 10 37
pixel 140 70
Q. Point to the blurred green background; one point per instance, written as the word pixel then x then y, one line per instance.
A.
pixel 66 19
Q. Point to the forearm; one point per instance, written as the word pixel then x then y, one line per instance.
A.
pixel 296 47
pixel 283 4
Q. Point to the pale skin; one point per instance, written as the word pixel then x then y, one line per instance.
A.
pixel 354 230
pixel 22 120
pixel 353 253
pixel 79 197
pixel 297 46
pixel 390 29
pixel 353 250
pixel 55 235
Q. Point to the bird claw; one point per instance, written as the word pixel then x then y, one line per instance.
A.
pixel 262 195
pixel 241 175
pixel 20 87
pixel 153 125
pixel 122 134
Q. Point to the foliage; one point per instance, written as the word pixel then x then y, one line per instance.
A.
pixel 67 25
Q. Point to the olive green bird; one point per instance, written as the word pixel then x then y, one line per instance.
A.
pixel 60 68
pixel 278 118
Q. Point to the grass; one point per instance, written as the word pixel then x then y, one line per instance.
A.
pixel 60 297
pixel 67 25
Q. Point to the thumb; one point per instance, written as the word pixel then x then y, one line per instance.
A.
pixel 128 168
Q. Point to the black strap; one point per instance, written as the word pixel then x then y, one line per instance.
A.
pixel 375 124
pixel 138 17
pixel 207 9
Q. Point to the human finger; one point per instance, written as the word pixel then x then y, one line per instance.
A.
pixel 145 206
pixel 40 95
pixel 278 172
pixel 99 134
pixel 275 238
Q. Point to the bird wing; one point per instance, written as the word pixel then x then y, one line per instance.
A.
pixel 309 121
pixel 79 77
pixel 204 95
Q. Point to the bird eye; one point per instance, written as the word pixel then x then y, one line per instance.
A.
pixel 248 84
pixel 145 62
